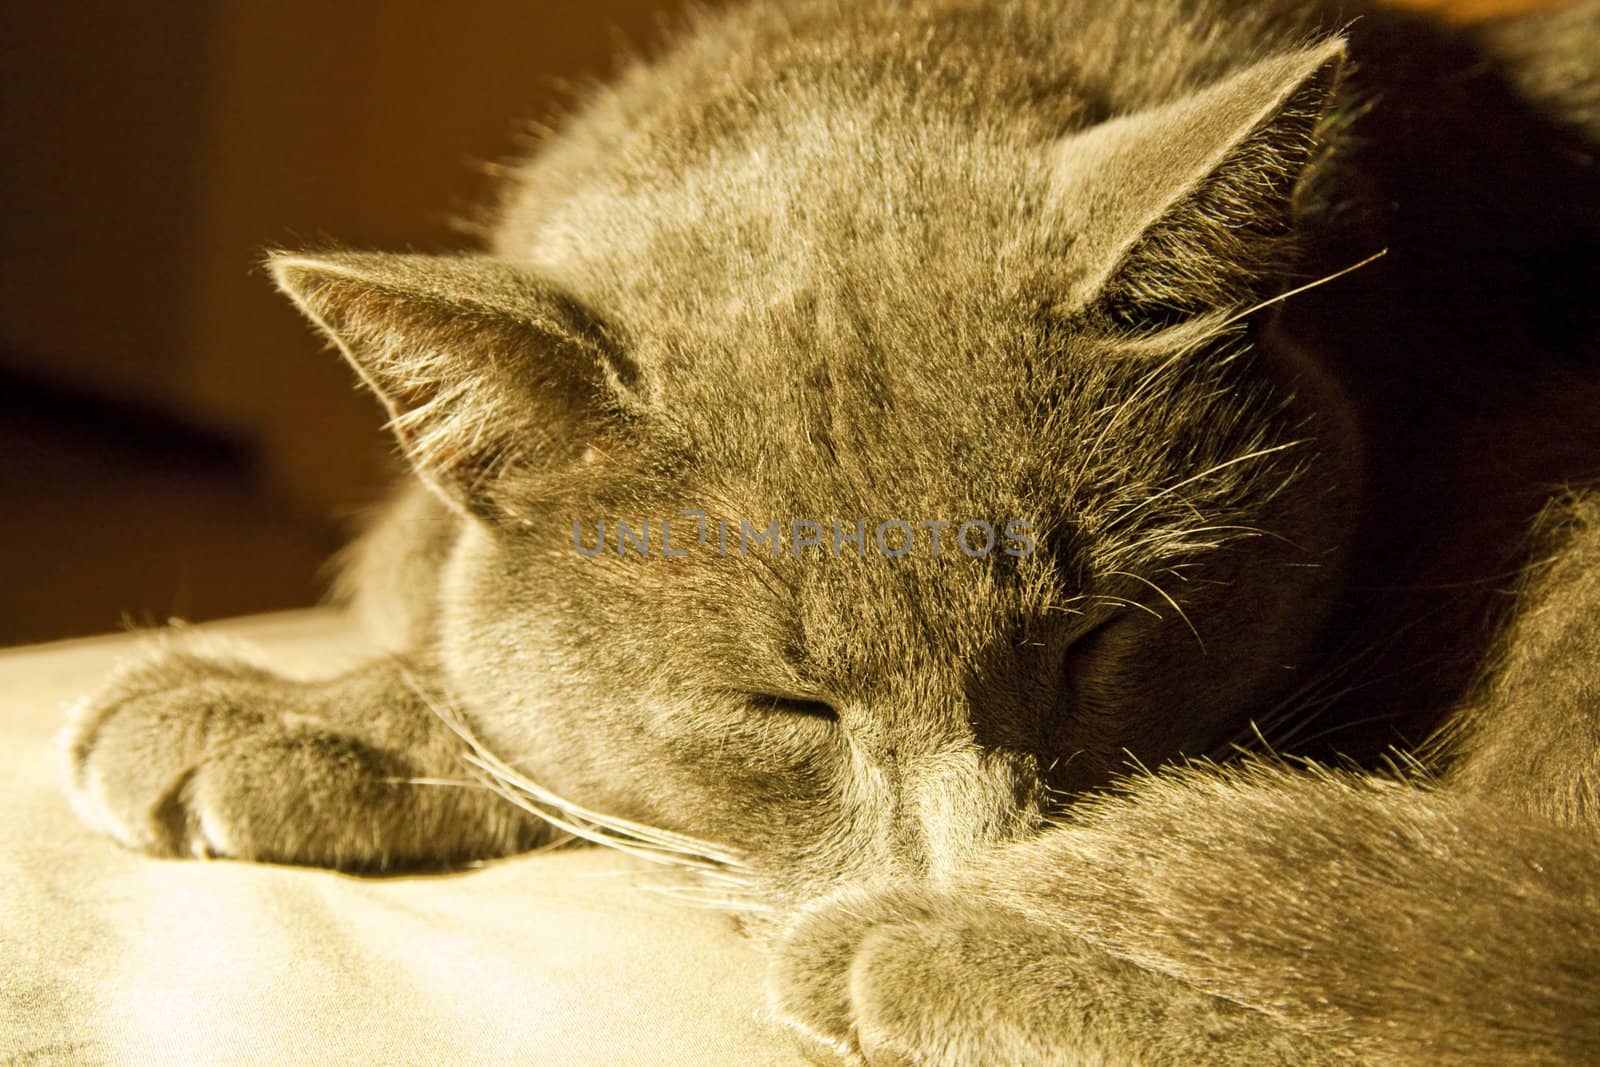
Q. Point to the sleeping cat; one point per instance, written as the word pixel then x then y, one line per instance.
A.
pixel 1266 331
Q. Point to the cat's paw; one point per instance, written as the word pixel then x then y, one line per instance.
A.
pixel 183 755
pixel 206 755
pixel 812 980
pixel 927 976
pixel 910 976
pixel 136 748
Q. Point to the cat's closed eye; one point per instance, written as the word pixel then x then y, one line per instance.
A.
pixel 1091 645
pixel 774 703
pixel 1093 673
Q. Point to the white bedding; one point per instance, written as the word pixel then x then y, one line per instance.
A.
pixel 111 957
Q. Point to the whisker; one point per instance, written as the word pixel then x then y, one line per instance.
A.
pixel 1117 412
pixel 1247 312
pixel 598 828
pixel 1247 531
pixel 1344 725
pixel 625 835
pixel 1235 461
pixel 1125 603
pixel 1301 707
pixel 641 850
pixel 1162 593
pixel 665 839
pixel 463 783
pixel 688 895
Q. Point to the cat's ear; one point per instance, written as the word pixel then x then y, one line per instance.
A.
pixel 484 369
pixel 1188 207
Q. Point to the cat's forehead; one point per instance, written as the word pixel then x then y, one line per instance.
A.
pixel 841 405
pixel 831 211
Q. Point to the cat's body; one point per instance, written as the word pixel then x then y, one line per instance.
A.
pixel 836 261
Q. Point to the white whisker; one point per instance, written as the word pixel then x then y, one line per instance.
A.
pixel 624 835
pixel 463 783
pixel 1125 603
pixel 706 899
pixel 598 836
pixel 665 840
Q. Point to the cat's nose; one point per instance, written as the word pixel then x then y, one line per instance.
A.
pixel 961 801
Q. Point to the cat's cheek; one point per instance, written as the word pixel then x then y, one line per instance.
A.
pixel 769 785
pixel 793 758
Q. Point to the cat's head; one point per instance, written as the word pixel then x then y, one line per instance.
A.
pixel 1139 500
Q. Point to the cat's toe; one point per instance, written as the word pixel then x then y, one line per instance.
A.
pixel 918 975
pixel 913 993
pixel 813 983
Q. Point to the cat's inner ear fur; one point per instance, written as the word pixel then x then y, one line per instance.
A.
pixel 1189 207
pixel 484 369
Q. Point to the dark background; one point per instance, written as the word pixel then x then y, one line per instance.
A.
pixel 173 441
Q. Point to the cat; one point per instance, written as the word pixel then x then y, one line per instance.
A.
pixel 1267 328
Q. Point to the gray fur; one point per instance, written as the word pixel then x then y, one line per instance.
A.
pixel 1077 264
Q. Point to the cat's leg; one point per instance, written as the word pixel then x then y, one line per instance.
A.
pixel 923 975
pixel 186 754
pixel 1530 739
pixel 1385 921
pixel 1409 924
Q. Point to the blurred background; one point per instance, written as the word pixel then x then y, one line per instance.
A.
pixel 174 442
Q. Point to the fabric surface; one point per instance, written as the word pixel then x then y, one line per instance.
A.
pixel 106 956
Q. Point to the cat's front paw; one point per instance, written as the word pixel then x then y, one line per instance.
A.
pixel 137 750
pixel 926 976
pixel 183 755
pixel 811 986
pixel 199 755
pixel 911 976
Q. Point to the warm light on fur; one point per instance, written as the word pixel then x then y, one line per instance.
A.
pixel 1275 326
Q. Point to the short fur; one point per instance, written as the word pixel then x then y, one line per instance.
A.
pixel 1081 265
